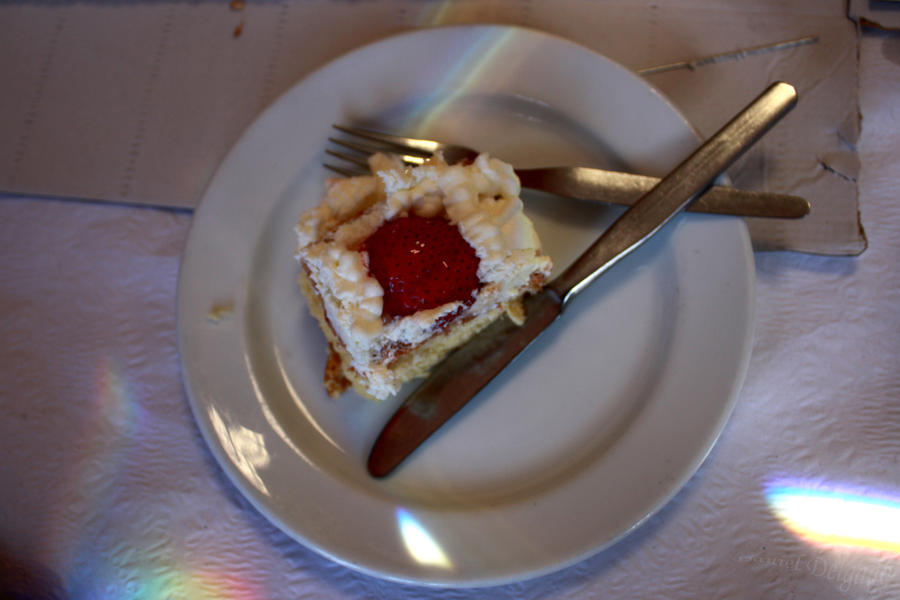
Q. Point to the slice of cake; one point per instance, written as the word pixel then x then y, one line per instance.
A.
pixel 402 266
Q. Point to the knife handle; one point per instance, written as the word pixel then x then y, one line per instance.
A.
pixel 673 193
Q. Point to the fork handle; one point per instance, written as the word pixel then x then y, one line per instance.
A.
pixel 615 187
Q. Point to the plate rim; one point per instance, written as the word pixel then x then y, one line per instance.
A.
pixel 239 480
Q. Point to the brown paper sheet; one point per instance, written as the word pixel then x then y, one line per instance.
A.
pixel 879 14
pixel 138 102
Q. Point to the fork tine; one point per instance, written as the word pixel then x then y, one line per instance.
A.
pixel 343 171
pixel 363 148
pixel 412 161
pixel 362 163
pixel 356 160
pixel 370 142
pixel 409 159
pixel 408 144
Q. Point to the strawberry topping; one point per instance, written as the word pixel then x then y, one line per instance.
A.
pixel 421 263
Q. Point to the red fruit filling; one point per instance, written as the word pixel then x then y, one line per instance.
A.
pixel 421 263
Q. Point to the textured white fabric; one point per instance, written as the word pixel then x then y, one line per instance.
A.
pixel 108 491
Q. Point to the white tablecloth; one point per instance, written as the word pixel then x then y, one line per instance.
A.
pixel 108 491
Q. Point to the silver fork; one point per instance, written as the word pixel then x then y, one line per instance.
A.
pixel 583 183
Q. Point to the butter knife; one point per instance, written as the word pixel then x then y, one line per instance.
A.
pixel 470 367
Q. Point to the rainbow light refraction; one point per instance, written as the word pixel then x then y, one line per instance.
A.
pixel 837 516
pixel 100 551
pixel 468 69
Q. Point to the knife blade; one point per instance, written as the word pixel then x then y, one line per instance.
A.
pixel 617 187
pixel 461 375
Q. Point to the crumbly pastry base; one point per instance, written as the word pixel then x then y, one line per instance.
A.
pixel 407 363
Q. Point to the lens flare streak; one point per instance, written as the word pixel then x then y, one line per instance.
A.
pixel 420 544
pixel 837 517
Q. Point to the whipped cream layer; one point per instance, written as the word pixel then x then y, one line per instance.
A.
pixel 481 198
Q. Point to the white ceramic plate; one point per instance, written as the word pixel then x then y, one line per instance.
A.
pixel 579 441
